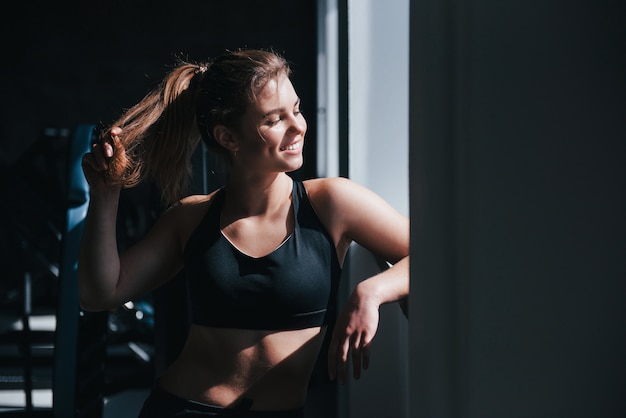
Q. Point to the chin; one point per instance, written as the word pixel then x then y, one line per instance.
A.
pixel 293 166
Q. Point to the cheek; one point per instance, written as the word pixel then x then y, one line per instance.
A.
pixel 255 138
pixel 269 137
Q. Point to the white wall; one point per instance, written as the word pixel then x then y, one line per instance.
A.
pixel 378 43
pixel 378 53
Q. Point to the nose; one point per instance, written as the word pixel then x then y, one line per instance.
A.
pixel 298 123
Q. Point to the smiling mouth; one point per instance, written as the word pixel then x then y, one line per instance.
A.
pixel 291 147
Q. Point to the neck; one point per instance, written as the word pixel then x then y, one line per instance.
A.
pixel 251 196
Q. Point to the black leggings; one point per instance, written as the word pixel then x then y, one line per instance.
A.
pixel 163 404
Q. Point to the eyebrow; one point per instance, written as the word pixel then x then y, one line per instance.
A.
pixel 280 109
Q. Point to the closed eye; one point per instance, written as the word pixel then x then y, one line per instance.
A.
pixel 278 115
pixel 274 121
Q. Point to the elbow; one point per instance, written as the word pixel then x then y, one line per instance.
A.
pixel 92 298
pixel 89 306
pixel 92 304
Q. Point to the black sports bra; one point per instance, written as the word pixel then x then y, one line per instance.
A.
pixel 293 287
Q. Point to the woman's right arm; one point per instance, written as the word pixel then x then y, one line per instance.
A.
pixel 106 279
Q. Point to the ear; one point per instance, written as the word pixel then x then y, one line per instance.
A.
pixel 225 137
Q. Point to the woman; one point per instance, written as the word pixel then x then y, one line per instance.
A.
pixel 262 254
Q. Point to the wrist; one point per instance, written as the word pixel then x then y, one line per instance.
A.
pixel 104 193
pixel 104 197
pixel 368 292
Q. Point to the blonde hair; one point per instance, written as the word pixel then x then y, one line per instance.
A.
pixel 161 132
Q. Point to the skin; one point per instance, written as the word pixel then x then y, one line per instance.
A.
pixel 220 366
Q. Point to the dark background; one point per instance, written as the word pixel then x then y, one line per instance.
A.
pixel 75 62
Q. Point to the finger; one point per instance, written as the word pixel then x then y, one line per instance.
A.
pixel 107 147
pixel 112 141
pixel 116 141
pixel 89 161
pixel 343 361
pixel 356 357
pixel 332 358
pixel 99 157
pixel 366 356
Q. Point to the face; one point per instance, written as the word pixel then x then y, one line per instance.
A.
pixel 272 137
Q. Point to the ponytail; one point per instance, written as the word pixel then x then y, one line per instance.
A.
pixel 159 136
pixel 161 132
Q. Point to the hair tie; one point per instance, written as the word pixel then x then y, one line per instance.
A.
pixel 201 69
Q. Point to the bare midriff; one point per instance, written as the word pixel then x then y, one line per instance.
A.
pixel 222 366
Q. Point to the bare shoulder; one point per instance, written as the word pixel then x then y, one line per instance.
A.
pixel 328 187
pixel 191 203
pixel 333 191
pixel 338 200
pixel 354 213
pixel 184 215
pixel 195 200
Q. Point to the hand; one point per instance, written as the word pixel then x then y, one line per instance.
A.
pixel 355 328
pixel 96 162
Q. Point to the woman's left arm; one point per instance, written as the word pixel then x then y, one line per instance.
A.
pixel 357 323
pixel 356 214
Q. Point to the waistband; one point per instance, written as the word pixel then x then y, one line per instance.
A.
pixel 161 403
